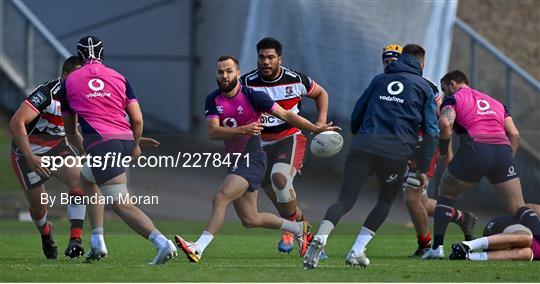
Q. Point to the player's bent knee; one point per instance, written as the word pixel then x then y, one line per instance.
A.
pixel 282 179
pixel 220 199
pixel 250 222
pixel 279 181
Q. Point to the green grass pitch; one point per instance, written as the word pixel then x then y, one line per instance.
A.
pixel 242 255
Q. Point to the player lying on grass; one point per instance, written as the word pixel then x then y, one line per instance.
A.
pixel 419 205
pixel 504 239
pixel 233 114
pixel 100 99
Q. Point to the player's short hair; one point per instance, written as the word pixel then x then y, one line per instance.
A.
pixel 227 57
pixel 415 50
pixel 455 75
pixel 71 64
pixel 270 43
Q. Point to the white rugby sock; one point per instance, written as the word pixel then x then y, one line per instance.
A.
pixel 294 227
pixel 203 241
pixel 76 212
pixel 480 243
pixel 478 256
pixel 363 239
pixel 325 228
pixel 157 238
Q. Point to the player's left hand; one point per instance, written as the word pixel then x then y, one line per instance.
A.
pixel 327 127
pixel 148 142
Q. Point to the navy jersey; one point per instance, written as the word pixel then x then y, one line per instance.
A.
pixel 387 116
pixel 244 108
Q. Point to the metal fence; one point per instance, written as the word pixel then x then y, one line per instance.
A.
pixel 29 53
pixel 492 71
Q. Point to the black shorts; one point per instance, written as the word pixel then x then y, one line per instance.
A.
pixel 389 172
pixel 291 150
pixel 251 169
pixel 110 168
pixel 475 160
pixel 30 179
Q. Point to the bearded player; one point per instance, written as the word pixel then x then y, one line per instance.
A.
pixel 233 114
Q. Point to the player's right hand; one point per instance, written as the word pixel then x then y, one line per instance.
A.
pixel 34 163
pixel 253 128
pixel 326 127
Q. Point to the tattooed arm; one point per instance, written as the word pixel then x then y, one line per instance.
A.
pixel 446 124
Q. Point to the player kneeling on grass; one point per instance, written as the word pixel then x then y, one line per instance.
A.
pixel 233 114
pixel 38 130
pixel 504 239
pixel 99 97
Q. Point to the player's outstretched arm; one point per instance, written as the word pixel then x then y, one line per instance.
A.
pixel 300 122
pixel 217 132
pixel 320 96
pixel 512 133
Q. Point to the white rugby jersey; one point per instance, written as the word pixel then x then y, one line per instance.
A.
pixel 287 91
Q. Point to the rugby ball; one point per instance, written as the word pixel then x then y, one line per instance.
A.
pixel 326 144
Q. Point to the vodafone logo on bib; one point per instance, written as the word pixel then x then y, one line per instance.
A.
pixel 97 85
pixel 483 108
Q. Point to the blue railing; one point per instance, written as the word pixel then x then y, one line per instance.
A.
pixel 29 53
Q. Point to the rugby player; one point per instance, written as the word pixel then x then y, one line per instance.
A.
pixel 99 98
pixel 233 115
pixel 38 130
pixel 418 204
pixel 488 142
pixel 384 122
pixel 503 239
pixel 284 144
